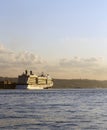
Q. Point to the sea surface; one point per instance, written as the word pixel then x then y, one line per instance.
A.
pixel 53 109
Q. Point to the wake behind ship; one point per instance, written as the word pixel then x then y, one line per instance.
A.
pixel 32 81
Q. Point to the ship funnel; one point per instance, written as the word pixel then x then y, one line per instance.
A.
pixel 26 72
pixel 31 73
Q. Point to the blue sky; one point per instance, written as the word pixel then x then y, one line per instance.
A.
pixel 68 31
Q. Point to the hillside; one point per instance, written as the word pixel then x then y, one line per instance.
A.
pixel 79 83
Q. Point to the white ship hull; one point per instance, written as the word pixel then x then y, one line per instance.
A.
pixel 32 81
pixel 33 87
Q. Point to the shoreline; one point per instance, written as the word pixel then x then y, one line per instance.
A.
pixel 59 83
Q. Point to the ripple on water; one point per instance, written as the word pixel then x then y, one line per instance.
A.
pixel 80 109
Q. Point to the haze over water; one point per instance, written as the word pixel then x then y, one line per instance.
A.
pixel 65 109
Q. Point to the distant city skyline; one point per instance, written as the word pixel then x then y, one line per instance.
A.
pixel 65 38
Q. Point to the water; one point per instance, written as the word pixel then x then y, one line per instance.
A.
pixel 65 109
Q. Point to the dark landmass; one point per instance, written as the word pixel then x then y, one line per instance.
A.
pixel 9 79
pixel 79 83
pixel 7 83
pixel 59 83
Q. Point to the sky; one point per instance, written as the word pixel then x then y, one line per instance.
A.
pixel 65 38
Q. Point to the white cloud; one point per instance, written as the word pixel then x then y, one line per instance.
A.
pixel 12 64
pixel 93 68
pixel 12 61
pixel 77 62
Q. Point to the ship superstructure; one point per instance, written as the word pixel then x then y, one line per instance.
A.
pixel 32 81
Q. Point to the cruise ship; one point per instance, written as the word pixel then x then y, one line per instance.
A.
pixel 32 81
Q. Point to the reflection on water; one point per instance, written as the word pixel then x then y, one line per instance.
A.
pixel 69 109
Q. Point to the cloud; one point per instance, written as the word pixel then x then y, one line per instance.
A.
pixel 77 62
pixel 92 68
pixel 26 58
pixel 11 61
pixel 4 50
pixel 77 67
